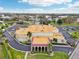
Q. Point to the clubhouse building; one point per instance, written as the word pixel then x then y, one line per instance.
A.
pixel 42 36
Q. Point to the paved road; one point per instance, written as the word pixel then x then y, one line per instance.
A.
pixel 13 42
pixel 12 28
pixel 75 54
pixel 67 36
pixel 16 44
pixel 62 49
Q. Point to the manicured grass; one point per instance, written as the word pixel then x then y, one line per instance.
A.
pixel 75 35
pixel 10 21
pixel 5 52
pixel 57 55
pixel 65 24
pixel 60 55
pixel 1 52
pixel 72 24
pixel 10 53
pixel 16 54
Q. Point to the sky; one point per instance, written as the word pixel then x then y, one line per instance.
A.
pixel 39 6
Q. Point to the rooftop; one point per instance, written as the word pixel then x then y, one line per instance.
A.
pixel 40 41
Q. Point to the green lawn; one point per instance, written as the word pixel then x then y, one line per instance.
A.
pixel 57 55
pixel 10 53
pixel 1 52
pixel 5 52
pixel 16 54
pixel 72 24
pixel 10 21
pixel 64 24
pixel 75 35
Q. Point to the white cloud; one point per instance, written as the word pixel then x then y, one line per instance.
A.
pixel 38 10
pixel 44 2
pixel 70 9
pixel 1 8
pixel 32 10
pixel 75 5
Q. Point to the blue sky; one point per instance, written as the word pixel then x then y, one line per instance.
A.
pixel 40 6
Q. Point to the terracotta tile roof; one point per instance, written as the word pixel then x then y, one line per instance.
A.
pixel 40 40
pixel 37 28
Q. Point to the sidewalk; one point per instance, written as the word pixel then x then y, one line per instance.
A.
pixel 26 55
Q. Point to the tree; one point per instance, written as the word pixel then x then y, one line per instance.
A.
pixel 1 33
pixel 1 43
pixel 6 25
pixel 42 21
pixel 55 40
pixel 59 22
pixel 54 21
pixel 29 34
pixel 49 48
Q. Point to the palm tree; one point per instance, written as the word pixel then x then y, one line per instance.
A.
pixel 49 48
pixel 29 34
pixel 55 40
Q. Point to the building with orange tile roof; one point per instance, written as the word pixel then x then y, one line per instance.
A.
pixel 41 35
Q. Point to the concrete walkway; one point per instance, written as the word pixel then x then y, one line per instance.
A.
pixel 26 55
